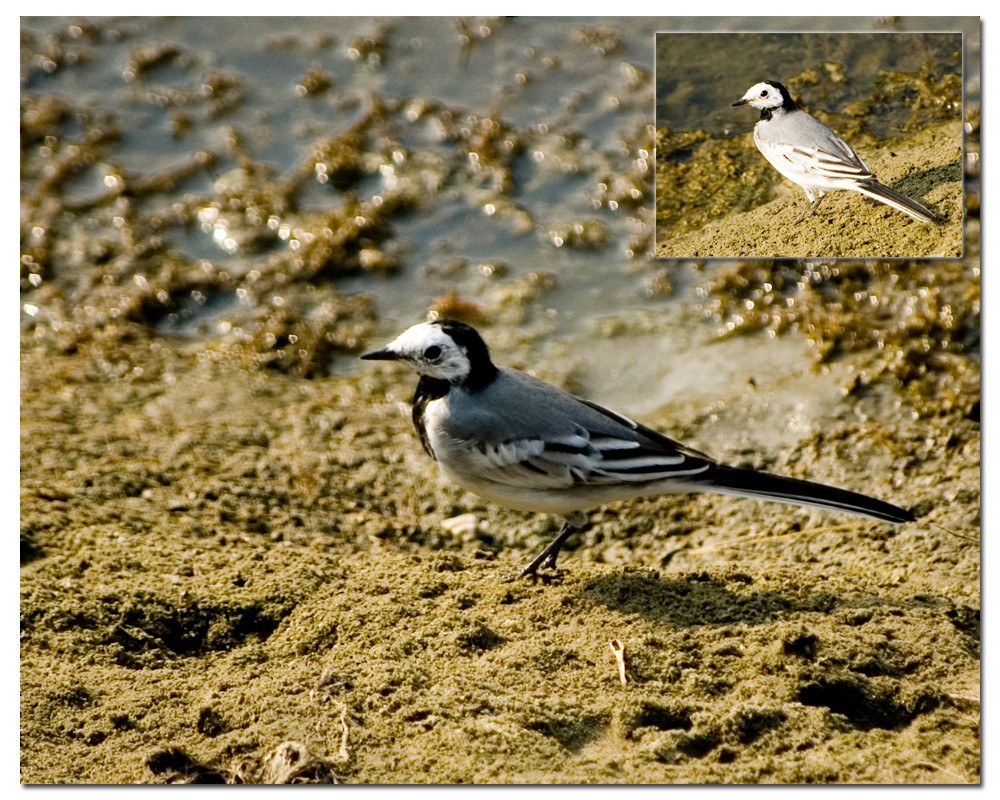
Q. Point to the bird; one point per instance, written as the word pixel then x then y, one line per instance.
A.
pixel 528 445
pixel 808 153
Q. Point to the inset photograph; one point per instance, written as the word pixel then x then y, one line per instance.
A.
pixel 809 145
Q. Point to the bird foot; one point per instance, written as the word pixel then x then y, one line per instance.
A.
pixel 807 211
pixel 546 577
pixel 545 561
pixel 547 558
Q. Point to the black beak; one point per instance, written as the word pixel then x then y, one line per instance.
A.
pixel 742 101
pixel 381 355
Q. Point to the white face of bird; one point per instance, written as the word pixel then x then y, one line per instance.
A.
pixel 763 96
pixel 430 351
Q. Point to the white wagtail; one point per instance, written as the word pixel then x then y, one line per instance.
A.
pixel 808 153
pixel 528 445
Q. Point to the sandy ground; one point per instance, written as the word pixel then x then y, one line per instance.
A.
pixel 845 224
pixel 242 576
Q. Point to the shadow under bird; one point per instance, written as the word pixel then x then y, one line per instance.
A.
pixel 528 445
pixel 808 153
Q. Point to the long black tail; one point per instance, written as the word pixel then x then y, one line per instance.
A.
pixel 763 485
pixel 879 191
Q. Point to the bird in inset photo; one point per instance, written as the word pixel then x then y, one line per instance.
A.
pixel 530 446
pixel 808 153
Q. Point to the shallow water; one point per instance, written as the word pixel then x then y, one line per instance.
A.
pixel 556 219
pixel 694 91
pixel 549 82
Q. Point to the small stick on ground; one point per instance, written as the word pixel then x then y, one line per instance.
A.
pixel 956 535
pixel 619 650
pixel 343 755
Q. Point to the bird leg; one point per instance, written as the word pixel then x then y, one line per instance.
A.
pixel 547 558
pixel 809 209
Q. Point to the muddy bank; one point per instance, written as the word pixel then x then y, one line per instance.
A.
pixel 218 561
pixel 845 224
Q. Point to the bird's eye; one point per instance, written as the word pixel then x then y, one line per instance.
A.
pixel 432 353
pixel 764 93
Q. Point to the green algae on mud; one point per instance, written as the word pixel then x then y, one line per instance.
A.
pixel 919 323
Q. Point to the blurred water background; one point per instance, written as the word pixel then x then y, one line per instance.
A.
pixel 261 181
